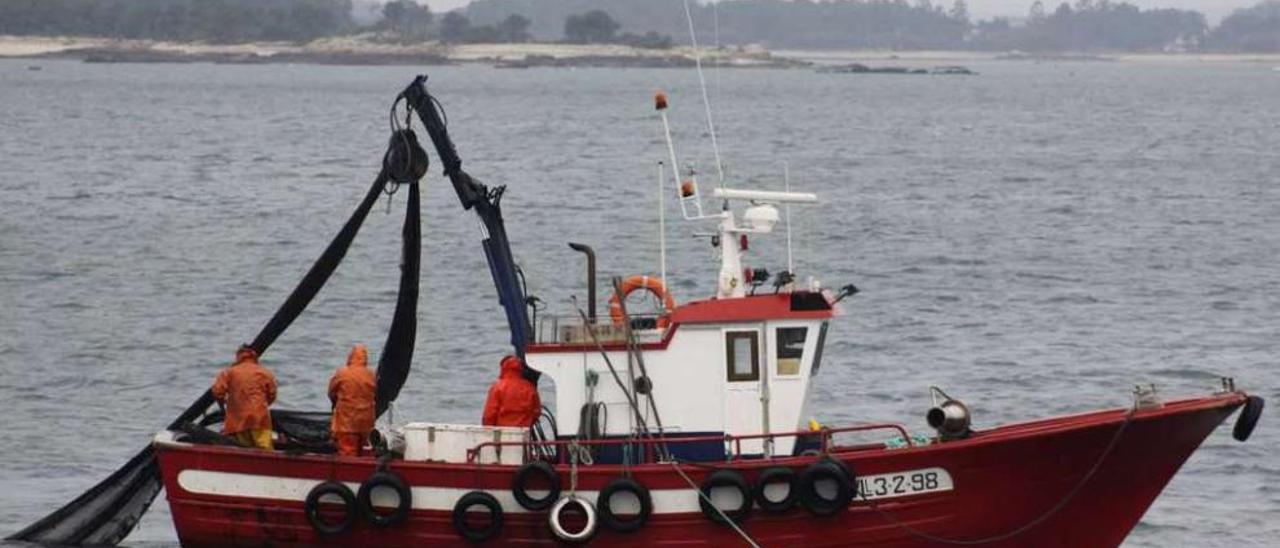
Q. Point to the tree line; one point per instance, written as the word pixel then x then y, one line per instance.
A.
pixel 226 21
pixel 1080 25
pixel 207 20
pixel 1095 25
pixel 1250 29
pixel 413 22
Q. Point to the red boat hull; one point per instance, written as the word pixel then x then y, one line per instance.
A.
pixel 1023 476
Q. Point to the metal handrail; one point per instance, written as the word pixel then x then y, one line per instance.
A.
pixel 648 444
pixel 550 328
pixel 827 445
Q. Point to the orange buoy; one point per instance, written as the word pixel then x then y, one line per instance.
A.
pixel 686 189
pixel 651 284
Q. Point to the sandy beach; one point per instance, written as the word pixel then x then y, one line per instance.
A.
pixel 951 56
pixel 368 49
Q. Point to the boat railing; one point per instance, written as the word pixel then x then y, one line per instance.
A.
pixel 567 329
pixel 650 448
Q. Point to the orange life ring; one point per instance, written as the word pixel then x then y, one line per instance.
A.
pixel 651 284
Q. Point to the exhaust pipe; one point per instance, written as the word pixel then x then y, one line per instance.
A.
pixel 591 277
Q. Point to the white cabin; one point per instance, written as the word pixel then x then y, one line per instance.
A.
pixel 739 366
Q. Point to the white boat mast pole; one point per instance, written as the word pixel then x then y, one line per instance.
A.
pixel 786 182
pixel 730 284
pixel 662 227
pixel 671 146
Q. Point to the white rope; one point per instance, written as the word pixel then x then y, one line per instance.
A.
pixel 715 35
pixel 706 99
pixel 750 541
pixel 573 467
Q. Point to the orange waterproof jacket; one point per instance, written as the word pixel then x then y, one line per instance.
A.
pixel 353 390
pixel 513 400
pixel 246 389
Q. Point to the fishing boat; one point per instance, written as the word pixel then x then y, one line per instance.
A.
pixel 687 427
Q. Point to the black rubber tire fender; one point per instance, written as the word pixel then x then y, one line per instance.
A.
pixel 472 499
pixel 385 478
pixel 1248 418
pixel 312 508
pixel 826 470
pixel 850 475
pixel 619 524
pixel 725 478
pixel 519 486
pixel 773 476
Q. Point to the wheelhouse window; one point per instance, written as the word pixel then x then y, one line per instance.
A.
pixel 741 348
pixel 790 348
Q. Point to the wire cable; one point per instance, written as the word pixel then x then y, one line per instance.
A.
pixel 706 99
pixel 745 537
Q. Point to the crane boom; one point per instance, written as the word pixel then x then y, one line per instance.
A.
pixel 485 201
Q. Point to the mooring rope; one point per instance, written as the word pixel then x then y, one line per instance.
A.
pixel 1115 440
pixel 676 464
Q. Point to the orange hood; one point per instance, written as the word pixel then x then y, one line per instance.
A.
pixel 359 356
pixel 511 368
pixel 246 354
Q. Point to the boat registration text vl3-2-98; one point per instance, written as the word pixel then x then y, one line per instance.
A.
pixel 901 484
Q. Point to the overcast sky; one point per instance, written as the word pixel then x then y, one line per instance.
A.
pixel 984 9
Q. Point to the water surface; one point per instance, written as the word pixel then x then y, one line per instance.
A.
pixel 1036 239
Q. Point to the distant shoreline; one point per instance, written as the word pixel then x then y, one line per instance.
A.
pixel 954 56
pixel 360 50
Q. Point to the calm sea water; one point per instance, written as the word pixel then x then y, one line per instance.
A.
pixel 1036 239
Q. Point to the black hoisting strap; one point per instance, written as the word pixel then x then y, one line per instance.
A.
pixel 397 354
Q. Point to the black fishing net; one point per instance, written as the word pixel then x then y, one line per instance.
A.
pixel 295 430
pixel 397 355
pixel 107 512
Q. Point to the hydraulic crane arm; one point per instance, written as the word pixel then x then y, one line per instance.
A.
pixel 485 201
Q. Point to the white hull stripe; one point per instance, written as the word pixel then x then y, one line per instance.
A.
pixel 230 484
pixel 665 501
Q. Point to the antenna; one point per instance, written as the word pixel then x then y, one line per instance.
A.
pixel 706 99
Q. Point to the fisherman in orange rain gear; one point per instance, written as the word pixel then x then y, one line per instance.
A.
pixel 513 400
pixel 352 391
pixel 246 390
